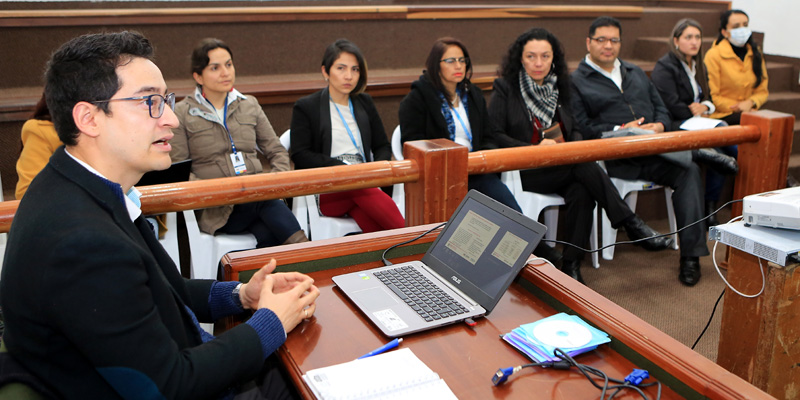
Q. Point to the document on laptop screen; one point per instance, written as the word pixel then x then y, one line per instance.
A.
pixel 472 236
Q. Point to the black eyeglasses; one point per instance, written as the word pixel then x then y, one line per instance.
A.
pixel 453 60
pixel 603 39
pixel 154 102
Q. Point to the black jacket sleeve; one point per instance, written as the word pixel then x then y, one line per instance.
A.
pixel 306 137
pixel 500 113
pixel 414 116
pixel 666 79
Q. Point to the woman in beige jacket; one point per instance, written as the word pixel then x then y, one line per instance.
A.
pixel 221 130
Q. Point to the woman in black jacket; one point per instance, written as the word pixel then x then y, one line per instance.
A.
pixel 443 104
pixel 681 79
pixel 339 125
pixel 530 106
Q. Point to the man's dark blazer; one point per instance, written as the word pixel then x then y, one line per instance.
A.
pixel 95 308
pixel 599 105
pixel 311 131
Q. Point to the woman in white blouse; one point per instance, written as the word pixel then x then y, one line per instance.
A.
pixel 339 125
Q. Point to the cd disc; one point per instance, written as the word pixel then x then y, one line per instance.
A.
pixel 563 334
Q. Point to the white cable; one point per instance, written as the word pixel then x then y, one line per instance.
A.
pixel 763 278
pixel 539 259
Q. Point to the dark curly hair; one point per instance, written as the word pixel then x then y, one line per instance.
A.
pixel 512 61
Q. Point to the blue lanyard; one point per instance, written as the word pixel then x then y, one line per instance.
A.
pixel 463 125
pixel 224 120
pixel 347 127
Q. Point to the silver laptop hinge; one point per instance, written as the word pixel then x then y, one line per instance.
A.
pixel 448 284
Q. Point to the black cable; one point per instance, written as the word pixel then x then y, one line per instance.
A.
pixel 587 370
pixel 643 239
pixel 714 310
pixel 383 256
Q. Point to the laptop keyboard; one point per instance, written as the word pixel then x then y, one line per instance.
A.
pixel 430 302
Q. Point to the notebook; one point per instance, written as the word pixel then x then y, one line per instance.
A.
pixel 473 261
pixel 397 374
pixel 177 172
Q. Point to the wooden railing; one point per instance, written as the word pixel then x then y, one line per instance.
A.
pixel 435 173
pixel 427 204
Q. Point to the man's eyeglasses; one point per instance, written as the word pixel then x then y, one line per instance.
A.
pixel 155 103
pixel 453 60
pixel 603 40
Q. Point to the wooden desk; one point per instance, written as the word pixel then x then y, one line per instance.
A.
pixel 466 358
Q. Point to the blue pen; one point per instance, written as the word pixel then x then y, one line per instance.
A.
pixel 384 348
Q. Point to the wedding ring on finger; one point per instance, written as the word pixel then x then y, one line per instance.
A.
pixel 305 313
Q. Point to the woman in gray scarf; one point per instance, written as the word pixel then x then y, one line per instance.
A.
pixel 530 106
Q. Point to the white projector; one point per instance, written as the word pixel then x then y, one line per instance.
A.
pixel 775 209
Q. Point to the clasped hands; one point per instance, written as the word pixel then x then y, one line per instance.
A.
pixel 743 106
pixel 290 295
pixel 656 127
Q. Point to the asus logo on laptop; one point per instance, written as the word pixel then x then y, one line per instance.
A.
pixel 456 280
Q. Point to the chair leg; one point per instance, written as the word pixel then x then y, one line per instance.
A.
pixel 609 233
pixel 593 240
pixel 673 224
pixel 551 221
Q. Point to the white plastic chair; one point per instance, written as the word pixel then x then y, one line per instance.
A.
pixel 533 204
pixel 399 189
pixel 306 210
pixel 629 190
pixel 207 250
pixel 170 240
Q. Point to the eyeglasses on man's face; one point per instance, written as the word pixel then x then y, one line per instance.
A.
pixel 155 103
pixel 453 60
pixel 604 40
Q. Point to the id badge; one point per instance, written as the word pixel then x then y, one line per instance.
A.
pixel 238 163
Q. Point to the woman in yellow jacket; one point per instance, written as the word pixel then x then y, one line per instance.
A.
pixel 39 142
pixel 737 73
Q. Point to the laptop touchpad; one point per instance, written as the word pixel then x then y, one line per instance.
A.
pixel 374 298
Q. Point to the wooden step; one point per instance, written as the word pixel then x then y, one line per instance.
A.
pixel 784 101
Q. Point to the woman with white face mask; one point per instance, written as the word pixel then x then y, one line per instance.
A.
pixel 737 73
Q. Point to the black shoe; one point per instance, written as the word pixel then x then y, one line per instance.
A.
pixel 689 271
pixel 573 269
pixel 711 206
pixel 549 253
pixel 637 229
pixel 724 164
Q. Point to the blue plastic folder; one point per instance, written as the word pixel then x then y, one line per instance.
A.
pixel 538 340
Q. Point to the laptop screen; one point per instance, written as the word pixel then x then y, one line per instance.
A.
pixel 483 247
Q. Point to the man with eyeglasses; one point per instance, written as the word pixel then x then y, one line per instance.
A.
pixel 94 307
pixel 610 94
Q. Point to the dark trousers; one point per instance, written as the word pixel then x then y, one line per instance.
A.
pixel 715 180
pixel 581 185
pixel 270 221
pixel 270 384
pixel 492 186
pixel 687 198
